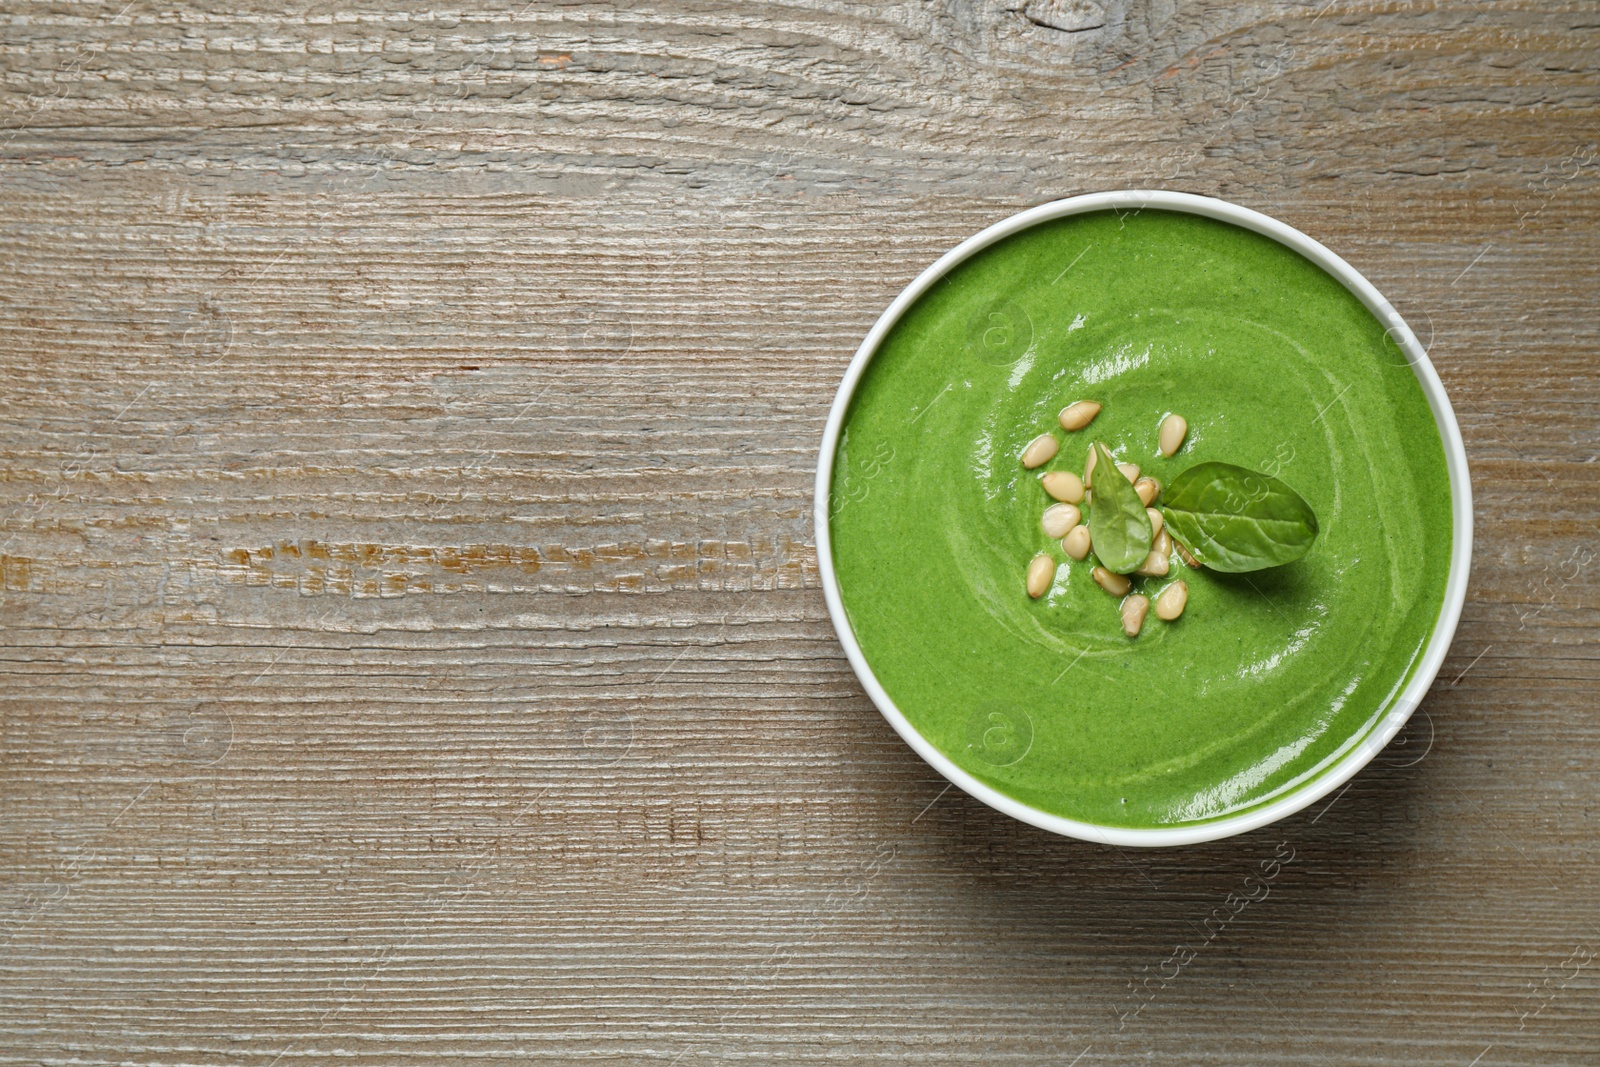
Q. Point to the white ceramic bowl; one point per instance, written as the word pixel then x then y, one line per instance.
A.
pixel 1455 460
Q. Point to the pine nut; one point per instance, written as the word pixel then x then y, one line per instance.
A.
pixel 1076 543
pixel 1064 486
pixel 1134 610
pixel 1040 450
pixel 1171 602
pixel 1130 470
pixel 1156 565
pixel 1040 571
pixel 1077 415
pixel 1173 430
pixel 1088 469
pixel 1059 519
pixel 1115 584
pixel 1148 489
pixel 1183 554
pixel 1155 521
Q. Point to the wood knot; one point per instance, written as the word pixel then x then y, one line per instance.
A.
pixel 1068 16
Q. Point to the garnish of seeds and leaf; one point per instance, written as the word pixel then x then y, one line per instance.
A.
pixel 1215 515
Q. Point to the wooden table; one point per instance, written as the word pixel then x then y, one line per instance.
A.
pixel 414 650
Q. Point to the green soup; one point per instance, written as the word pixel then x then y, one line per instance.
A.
pixel 1267 678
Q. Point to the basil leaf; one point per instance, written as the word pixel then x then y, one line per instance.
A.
pixel 1233 519
pixel 1119 526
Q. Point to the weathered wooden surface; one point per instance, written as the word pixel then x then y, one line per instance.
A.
pixel 413 644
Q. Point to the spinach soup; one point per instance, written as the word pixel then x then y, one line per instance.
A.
pixel 1208 669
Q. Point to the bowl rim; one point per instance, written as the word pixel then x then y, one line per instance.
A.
pixel 1427 668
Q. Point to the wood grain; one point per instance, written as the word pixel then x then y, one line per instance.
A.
pixel 414 650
